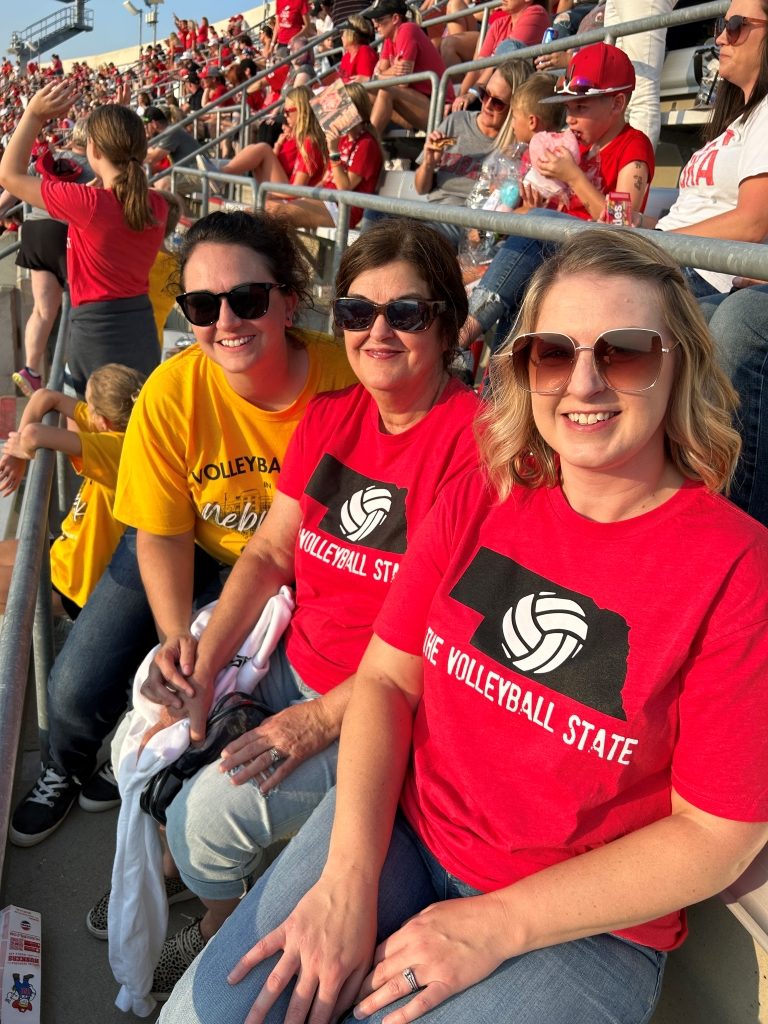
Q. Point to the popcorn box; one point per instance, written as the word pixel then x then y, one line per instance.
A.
pixel 20 955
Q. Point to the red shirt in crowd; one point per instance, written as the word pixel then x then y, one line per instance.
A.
pixel 105 258
pixel 360 64
pixel 290 19
pixel 528 26
pixel 411 43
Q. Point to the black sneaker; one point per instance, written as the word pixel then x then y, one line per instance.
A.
pixel 100 793
pixel 44 808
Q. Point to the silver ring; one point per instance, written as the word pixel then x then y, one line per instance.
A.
pixel 275 754
pixel 410 977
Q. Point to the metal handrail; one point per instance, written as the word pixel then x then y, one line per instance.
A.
pixel 748 259
pixel 27 611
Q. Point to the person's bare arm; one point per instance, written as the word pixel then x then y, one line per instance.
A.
pixel 53 100
pixel 184 672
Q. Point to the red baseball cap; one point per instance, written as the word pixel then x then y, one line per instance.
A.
pixel 596 70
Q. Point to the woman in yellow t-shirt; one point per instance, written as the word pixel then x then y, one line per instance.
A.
pixel 90 533
pixel 197 474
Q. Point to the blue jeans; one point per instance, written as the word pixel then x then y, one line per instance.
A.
pixel 219 833
pixel 88 688
pixel 500 291
pixel 700 287
pixel 739 325
pixel 600 980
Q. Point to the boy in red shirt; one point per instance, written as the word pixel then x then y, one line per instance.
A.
pixel 613 157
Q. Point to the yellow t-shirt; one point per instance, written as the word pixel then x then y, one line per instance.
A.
pixel 198 456
pixel 90 532
pixel 161 294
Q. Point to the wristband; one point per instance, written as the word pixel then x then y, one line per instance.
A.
pixel 335 158
pixel 474 91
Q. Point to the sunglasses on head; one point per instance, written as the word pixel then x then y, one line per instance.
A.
pixel 247 301
pixel 734 27
pixel 494 104
pixel 411 315
pixel 627 359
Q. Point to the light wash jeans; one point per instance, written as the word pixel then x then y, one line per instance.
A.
pixel 219 833
pixel 646 51
pixel 739 325
pixel 600 980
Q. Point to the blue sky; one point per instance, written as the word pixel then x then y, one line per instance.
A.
pixel 113 26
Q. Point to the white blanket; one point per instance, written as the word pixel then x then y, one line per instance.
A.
pixel 138 909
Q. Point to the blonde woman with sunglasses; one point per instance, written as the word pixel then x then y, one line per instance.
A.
pixel 557 736
pixel 300 154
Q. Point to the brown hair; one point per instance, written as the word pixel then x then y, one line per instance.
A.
pixel 118 133
pixel 701 441
pixel 730 103
pixel 114 389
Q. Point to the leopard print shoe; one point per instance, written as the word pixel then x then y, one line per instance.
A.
pixel 177 954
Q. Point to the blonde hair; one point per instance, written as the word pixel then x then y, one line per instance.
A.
pixel 701 441
pixel 514 73
pixel 114 389
pixel 528 98
pixel 307 125
pixel 362 100
pixel 118 133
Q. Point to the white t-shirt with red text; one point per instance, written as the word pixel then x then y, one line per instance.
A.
pixel 575 671
pixel 709 182
pixel 362 493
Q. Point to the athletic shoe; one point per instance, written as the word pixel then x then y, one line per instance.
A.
pixel 97 922
pixel 44 808
pixel 100 793
pixel 204 163
pixel 27 383
pixel 177 954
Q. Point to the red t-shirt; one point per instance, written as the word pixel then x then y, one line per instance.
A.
pixel 360 156
pixel 603 168
pixel 290 19
pixel 412 43
pixel 575 671
pixel 186 38
pixel 105 258
pixel 362 493
pixel 307 160
pixel 202 35
pixel 529 27
pixel 360 64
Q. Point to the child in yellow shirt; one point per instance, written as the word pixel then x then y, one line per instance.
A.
pixel 90 533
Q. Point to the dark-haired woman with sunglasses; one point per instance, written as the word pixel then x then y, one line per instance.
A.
pixel 363 469
pixel 557 736
pixel 724 186
pixel 196 479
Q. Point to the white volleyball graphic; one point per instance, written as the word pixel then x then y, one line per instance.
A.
pixel 542 631
pixel 364 511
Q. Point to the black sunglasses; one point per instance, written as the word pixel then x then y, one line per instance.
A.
pixel 410 315
pixel 627 359
pixel 734 27
pixel 247 301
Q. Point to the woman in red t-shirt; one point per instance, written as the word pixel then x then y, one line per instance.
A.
pixel 354 165
pixel 299 156
pixel 115 232
pixel 359 58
